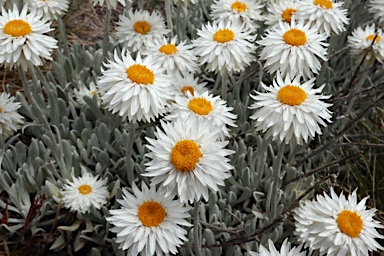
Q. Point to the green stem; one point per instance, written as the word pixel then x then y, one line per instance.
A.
pixel 276 179
pixel 129 150
pixel 106 33
pixel 224 85
pixel 196 237
pixel 168 14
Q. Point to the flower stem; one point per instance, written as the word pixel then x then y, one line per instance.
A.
pixel 196 237
pixel 276 179
pixel 168 14
pixel 224 85
pixel 106 33
pixel 128 160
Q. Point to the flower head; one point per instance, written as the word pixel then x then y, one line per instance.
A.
pixel 135 89
pixel 10 120
pixel 139 28
pixel 149 222
pixel 280 11
pixel 293 49
pixel 111 4
pixel 187 83
pixel 187 160
pixel 290 110
pixel 22 38
pixel 51 9
pixel 285 250
pixel 83 192
pixel 86 91
pixel 336 225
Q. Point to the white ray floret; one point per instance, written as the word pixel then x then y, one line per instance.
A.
pixel 10 119
pixel 280 11
pixel 51 9
pixel 377 8
pixel 186 82
pixel 285 250
pixel 111 4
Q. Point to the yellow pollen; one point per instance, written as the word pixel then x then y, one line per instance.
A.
pixel 323 3
pixel 151 214
pixel 185 155
pixel 140 74
pixel 168 49
pixel 287 14
pixel 85 189
pixel 93 92
pixel 142 27
pixel 295 37
pixel 291 95
pixel 1 110
pixel 188 88
pixel 17 28
pixel 239 7
pixel 223 35
pixel 350 223
pixel 371 37
pixel 200 106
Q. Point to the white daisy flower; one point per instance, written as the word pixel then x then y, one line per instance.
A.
pixel 285 250
pixel 173 57
pixel 225 47
pixel 82 192
pixel 139 28
pixel 328 16
pixel 247 11
pixel 135 89
pixel 10 120
pixel 51 9
pixel 280 11
pixel 293 49
pixel 335 225
pixel 187 160
pixel 203 108
pixel 22 38
pixel 187 83
pixel 362 44
pixel 290 110
pixel 111 4
pixel 377 8
pixel 149 222
pixel 90 91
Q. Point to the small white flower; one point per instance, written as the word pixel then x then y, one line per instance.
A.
pixel 293 49
pixel 82 192
pixel 285 250
pixel 85 91
pixel 187 160
pixel 280 11
pixel 225 46
pixel 338 226
pixel 327 15
pixel 111 4
pixel 22 38
pixel 139 28
pixel 290 111
pixel 49 9
pixel 377 8
pixel 173 57
pixel 10 120
pixel 135 89
pixel 187 83
pixel 148 222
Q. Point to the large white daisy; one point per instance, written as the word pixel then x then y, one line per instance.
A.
pixel 148 222
pixel 187 160
pixel 135 89
pixel 225 47
pixel 328 16
pixel 377 8
pixel 293 49
pixel 139 28
pixel 203 108
pixel 247 11
pixel 111 4
pixel 336 225
pixel 10 120
pixel 362 44
pixel 285 250
pixel 22 39
pixel 290 110
pixel 280 11
pixel 83 192
pixel 173 57
pixel 51 9
pixel 186 82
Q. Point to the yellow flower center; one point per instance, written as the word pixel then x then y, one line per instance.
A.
pixel 295 37
pixel 239 7
pixel 223 35
pixel 17 28
pixel 1 110
pixel 350 223
pixel 140 74
pixel 168 49
pixel 323 3
pixel 188 88
pixel 200 106
pixel 291 95
pixel 151 214
pixel 185 155
pixel 371 37
pixel 93 92
pixel 287 14
pixel 142 27
pixel 85 189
